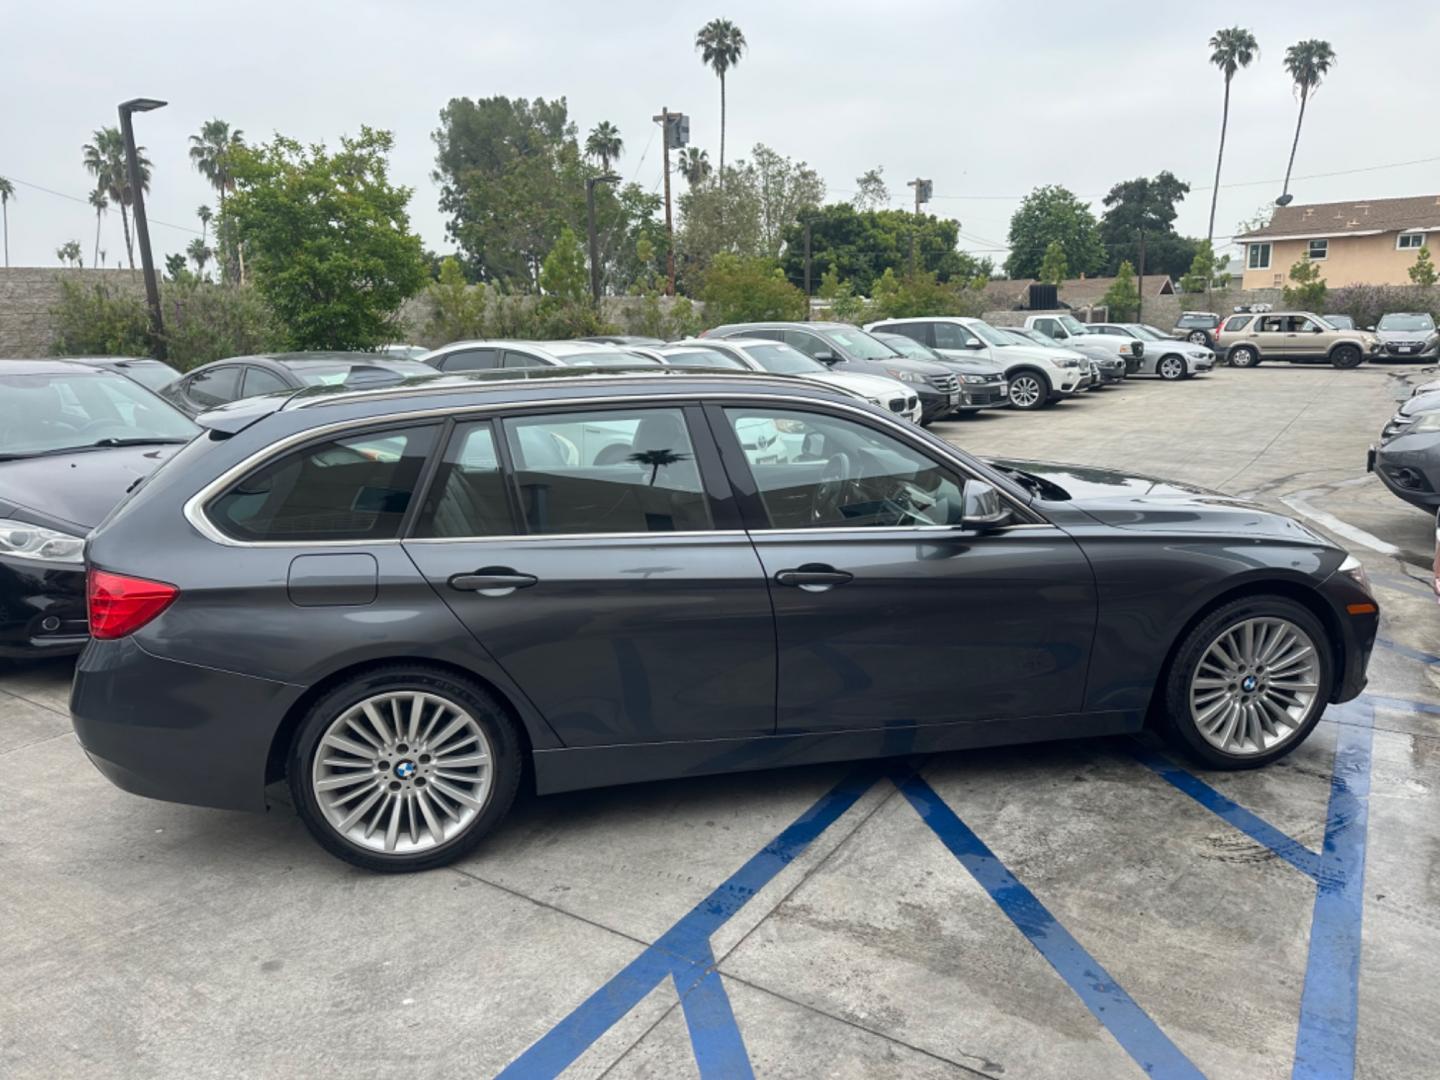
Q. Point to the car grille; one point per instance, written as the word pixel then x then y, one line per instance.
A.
pixel 897 404
pixel 984 395
pixel 1400 348
pixel 946 384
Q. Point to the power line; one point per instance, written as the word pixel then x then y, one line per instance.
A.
pixel 86 202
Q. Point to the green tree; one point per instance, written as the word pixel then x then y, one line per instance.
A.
pixel 175 268
pixel 211 154
pixel 898 296
pixel 721 45
pixel 457 309
pixel 605 143
pixel 1308 292
pixel 199 253
pixel 1053 268
pixel 1230 50
pixel 1204 269
pixel 105 160
pixel 69 253
pixel 565 308
pixel 1123 298
pixel 329 237
pixel 206 215
pixel 100 202
pixel 1423 271
pixel 1053 213
pixel 694 165
pixel 7 192
pixel 1306 62
pixel 749 289
pixel 870 190
pixel 1146 204
pixel 844 305
pixel 786 189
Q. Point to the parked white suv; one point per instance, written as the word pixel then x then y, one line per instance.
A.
pixel 1063 328
pixel 1036 376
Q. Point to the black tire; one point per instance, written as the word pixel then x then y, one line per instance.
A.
pixel 1029 390
pixel 1244 356
pixel 1346 356
pixel 1175 719
pixel 506 755
pixel 1169 371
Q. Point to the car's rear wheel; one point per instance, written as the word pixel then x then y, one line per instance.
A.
pixel 1029 390
pixel 1248 683
pixel 404 768
pixel 1244 356
pixel 1198 337
pixel 1171 368
pixel 1345 356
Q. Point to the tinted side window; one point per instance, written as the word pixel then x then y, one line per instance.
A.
pixel 467 496
pixel 471 360
pixel 768 335
pixel 822 472
pixel 1237 322
pixel 951 336
pixel 353 488
pixel 215 387
pixel 260 381
pixel 810 344
pixel 921 332
pixel 618 471
pixel 520 360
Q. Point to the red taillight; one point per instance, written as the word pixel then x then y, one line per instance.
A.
pixel 120 605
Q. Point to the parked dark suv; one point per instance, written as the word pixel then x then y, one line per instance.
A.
pixel 1198 327
pixel 402 599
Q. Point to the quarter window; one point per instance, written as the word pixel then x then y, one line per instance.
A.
pixel 260 381
pixel 622 471
pixel 1259 257
pixel 520 360
pixel 1410 241
pixel 355 488
pixel 816 472
pixel 214 387
pixel 1318 250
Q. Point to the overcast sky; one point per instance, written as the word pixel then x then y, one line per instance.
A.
pixel 987 99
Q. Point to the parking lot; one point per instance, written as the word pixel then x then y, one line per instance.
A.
pixel 1086 909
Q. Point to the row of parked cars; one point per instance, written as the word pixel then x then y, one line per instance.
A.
pixel 1406 457
pixel 1248 338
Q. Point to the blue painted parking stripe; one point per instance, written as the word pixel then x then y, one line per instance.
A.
pixel 1107 1001
pixel 714 1035
pixel 687 944
pixel 1402 704
pixel 1231 812
pixel 1406 650
pixel 1329 1002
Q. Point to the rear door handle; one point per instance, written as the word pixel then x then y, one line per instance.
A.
pixel 814 577
pixel 493 581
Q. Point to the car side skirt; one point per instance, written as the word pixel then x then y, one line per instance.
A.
pixel 573 768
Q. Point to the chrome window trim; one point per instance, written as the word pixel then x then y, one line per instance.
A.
pixel 518 538
pixel 194 508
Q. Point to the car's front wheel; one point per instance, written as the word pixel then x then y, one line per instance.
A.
pixel 1244 356
pixel 1248 683
pixel 1171 368
pixel 1029 390
pixel 404 768
pixel 1345 356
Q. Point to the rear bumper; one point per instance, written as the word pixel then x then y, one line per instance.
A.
pixel 42 609
pixel 174 731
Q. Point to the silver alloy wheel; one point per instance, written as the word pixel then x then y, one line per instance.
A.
pixel 1255 686
pixel 402 772
pixel 1025 391
pixel 1172 367
pixel 1243 357
pixel 1198 337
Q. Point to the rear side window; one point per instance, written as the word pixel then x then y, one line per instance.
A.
pixel 952 336
pixel 471 360
pixel 353 488
pixel 1237 322
pixel 467 496
pixel 621 471
pixel 259 381
pixel 208 389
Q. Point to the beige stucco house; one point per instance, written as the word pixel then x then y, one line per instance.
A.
pixel 1371 242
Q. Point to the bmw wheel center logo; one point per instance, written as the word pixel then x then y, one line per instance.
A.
pixel 1248 685
pixel 405 770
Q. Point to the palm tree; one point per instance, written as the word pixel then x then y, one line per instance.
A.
pixel 721 45
pixel 101 202
pixel 694 165
pixel 1307 62
pixel 605 143
pixel 205 214
pixel 69 252
pixel 105 159
pixel 210 153
pixel 199 254
pixel 7 192
pixel 1230 50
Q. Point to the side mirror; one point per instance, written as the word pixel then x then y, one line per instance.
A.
pixel 983 508
pixel 974 344
pixel 1370 328
pixel 827 357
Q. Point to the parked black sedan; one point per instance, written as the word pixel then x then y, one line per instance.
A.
pixel 234 378
pixel 73 440
pixel 403 599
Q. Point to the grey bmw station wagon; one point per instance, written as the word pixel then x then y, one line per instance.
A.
pixel 402 599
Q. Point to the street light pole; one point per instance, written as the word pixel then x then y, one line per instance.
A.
pixel 142 227
pixel 590 182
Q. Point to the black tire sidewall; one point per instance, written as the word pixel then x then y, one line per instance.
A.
pixel 1242 356
pixel 1045 390
pixel 1348 351
pixel 505 744
pixel 1175 704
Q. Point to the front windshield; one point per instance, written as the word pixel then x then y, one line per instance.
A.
pixel 1014 337
pixel 711 358
pixel 907 346
pixel 1073 325
pixel 1145 333
pixel 1417 323
pixel 860 344
pixel 54 413
pixel 988 334
pixel 783 359
pixel 1157 333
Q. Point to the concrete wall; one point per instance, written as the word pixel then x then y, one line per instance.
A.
pixel 1349 260
pixel 28 295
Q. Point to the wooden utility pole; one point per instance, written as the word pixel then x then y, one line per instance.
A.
pixel 922 195
pixel 664 120
pixel 1140 305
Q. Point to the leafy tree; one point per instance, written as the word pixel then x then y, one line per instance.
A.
pixel 1257 220
pixel 786 188
pixel 920 294
pixel 69 253
pixel 1123 297
pixel 1308 292
pixel 211 154
pixel 1148 204
pixel 844 305
pixel 101 202
pixel 1054 269
pixel 457 309
pixel 721 45
pixel 749 289
pixel 331 248
pixel 1053 213
pixel 1423 272
pixel 7 192
pixel 175 268
pixel 870 190
pixel 716 218
pixel 605 143
pixel 565 308
pixel 1306 62
pixel 105 160
pixel 1230 50
pixel 1204 270
pixel 694 165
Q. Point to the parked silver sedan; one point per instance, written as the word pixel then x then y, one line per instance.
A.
pixel 1164 355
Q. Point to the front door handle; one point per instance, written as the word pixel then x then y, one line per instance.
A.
pixel 814 577
pixel 493 581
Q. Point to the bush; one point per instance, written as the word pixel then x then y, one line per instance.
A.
pixel 1308 292
pixel 96 320
pixel 745 289
pixel 918 295
pixel 457 309
pixel 1366 303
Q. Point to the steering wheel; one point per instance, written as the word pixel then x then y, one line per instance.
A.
pixel 831 488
